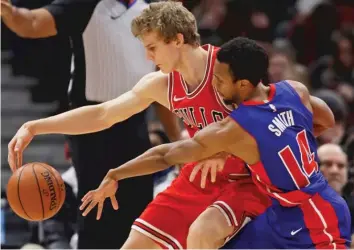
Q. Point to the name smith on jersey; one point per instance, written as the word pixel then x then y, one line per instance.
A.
pixel 281 122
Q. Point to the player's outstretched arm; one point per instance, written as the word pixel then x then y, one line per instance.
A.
pixel 90 119
pixel 213 139
pixel 150 162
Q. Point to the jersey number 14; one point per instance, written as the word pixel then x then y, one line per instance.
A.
pixel 299 172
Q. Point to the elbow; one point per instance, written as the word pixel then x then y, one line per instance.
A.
pixel 331 121
pixel 103 116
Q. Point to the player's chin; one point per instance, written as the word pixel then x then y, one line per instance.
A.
pixel 164 69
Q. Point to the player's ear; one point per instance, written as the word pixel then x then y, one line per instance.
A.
pixel 179 41
pixel 243 83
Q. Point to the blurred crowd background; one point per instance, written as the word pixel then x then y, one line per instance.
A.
pixel 311 41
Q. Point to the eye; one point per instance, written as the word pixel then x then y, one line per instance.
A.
pixel 152 49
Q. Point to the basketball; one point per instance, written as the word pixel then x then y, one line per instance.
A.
pixel 36 191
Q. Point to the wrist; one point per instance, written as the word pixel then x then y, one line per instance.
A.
pixel 223 155
pixel 113 174
pixel 31 128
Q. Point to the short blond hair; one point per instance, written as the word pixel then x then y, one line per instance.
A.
pixel 168 19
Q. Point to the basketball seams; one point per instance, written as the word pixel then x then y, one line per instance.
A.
pixel 39 189
pixel 56 180
pixel 23 195
pixel 18 193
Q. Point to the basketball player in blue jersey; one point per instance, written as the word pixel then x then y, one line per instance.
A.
pixel 273 130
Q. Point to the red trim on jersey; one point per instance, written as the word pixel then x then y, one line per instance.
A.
pixel 205 79
pixel 170 90
pixel 259 170
pixel 288 199
pixel 230 216
pixel 270 97
pixel 156 234
pixel 321 220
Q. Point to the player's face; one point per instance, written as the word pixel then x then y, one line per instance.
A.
pixel 224 83
pixel 164 55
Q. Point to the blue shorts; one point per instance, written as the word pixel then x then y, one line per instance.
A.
pixel 321 222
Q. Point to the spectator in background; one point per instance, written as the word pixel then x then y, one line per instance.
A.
pixel 334 166
pixel 310 32
pixel 335 71
pixel 282 64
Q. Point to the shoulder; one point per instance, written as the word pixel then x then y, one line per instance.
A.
pixel 152 83
pixel 300 89
pixel 152 79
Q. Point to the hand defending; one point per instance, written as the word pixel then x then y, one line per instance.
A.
pixel 107 188
pixel 213 164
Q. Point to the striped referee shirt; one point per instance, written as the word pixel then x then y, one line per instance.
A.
pixel 107 59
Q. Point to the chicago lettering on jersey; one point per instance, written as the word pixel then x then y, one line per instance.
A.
pixel 281 122
pixel 190 115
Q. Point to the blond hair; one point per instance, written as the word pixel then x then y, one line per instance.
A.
pixel 168 19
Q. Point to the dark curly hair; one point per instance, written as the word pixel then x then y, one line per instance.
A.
pixel 246 59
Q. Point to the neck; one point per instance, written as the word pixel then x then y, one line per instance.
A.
pixel 260 93
pixel 192 65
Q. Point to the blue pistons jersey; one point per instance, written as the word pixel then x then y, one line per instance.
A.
pixel 306 212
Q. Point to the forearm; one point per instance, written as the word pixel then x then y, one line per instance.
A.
pixel 187 151
pixel 150 162
pixel 82 120
pixel 21 21
pixel 38 23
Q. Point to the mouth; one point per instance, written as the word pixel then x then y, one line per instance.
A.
pixel 334 180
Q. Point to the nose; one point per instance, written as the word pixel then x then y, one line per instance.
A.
pixel 149 56
pixel 334 168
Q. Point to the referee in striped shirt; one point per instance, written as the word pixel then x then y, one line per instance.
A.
pixel 107 61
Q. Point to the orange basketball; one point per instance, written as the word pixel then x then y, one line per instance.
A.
pixel 36 191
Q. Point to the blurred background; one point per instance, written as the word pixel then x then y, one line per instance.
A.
pixel 310 41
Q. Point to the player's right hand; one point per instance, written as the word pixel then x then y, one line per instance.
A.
pixel 107 188
pixel 17 145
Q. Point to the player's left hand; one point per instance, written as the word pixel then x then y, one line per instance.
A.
pixel 107 188
pixel 212 165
